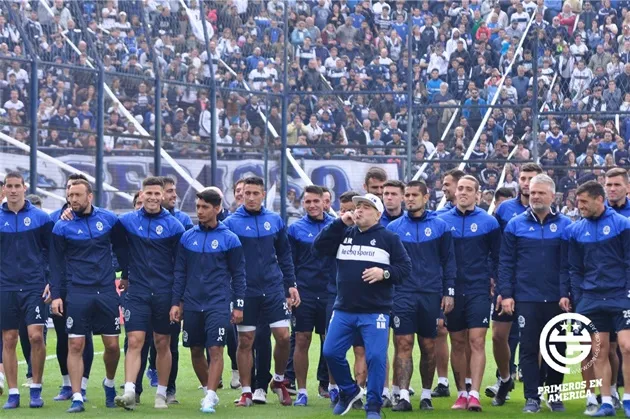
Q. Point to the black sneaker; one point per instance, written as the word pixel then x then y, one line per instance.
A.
pixel 402 406
pixel 426 404
pixel 395 399
pixel 441 391
pixel 531 406
pixel 290 385
pixel 504 389
pixel 468 387
pixel 358 405
pixel 387 402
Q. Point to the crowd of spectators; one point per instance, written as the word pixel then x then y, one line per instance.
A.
pixel 385 61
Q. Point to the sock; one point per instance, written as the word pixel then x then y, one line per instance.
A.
pixel 84 383
pixel 161 391
pixel 505 380
pixel 443 381
pixel 333 387
pixel 302 391
pixel 278 377
pixel 626 396
pixel 404 394
pixel 13 391
pixel 65 380
pixel 592 399
pixel 77 397
pixel 130 387
pixel 205 390
pixel 246 390
pixel 468 381
pixel 426 394
pixel 109 383
pixel 36 386
pixel 235 374
pixel 395 390
pixel 607 400
pixel 462 394
pixel 385 392
pixel 1 376
pixel 474 394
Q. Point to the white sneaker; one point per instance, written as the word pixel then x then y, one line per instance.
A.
pixel 260 396
pixel 208 406
pixel 126 401
pixel 1 384
pixel 28 383
pixel 160 402
pixel 235 383
pixel 491 391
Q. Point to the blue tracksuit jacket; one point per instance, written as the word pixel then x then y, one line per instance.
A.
pixel 599 257
pixel 183 218
pixel 386 218
pixel 623 209
pixel 313 273
pixel 210 270
pixel 153 240
pixel 477 240
pixel 534 258
pixel 509 209
pixel 268 262
pixel 25 238
pixel 429 244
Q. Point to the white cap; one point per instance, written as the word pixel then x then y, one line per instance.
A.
pixel 370 199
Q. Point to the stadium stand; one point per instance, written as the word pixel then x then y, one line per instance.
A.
pixel 358 70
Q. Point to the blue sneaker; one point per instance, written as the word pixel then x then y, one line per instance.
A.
pixel 346 400
pixel 76 407
pixel 64 394
pixel 110 395
pixel 302 400
pixel 373 414
pixel 13 402
pixel 83 393
pixel 36 398
pixel 153 377
pixel 532 406
pixel 334 397
pixel 605 410
pixel 626 408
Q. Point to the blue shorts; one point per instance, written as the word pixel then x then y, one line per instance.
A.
pixel 265 309
pixel 310 314
pixel 206 329
pixel 503 318
pixel 610 315
pixel 416 313
pixel 92 312
pixel 146 312
pixel 470 312
pixel 358 338
pixel 22 307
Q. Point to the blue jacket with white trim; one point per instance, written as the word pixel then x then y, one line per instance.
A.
pixel 357 251
pixel 429 244
pixel 153 240
pixel 623 209
pixel 313 273
pixel 269 265
pixel 446 208
pixel 25 239
pixel 477 242
pixel 599 257
pixel 509 209
pixel 82 248
pixel 183 218
pixel 386 218
pixel 533 266
pixel 210 270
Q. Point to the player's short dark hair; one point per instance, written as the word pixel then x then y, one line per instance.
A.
pixel 168 180
pixel 78 176
pixel 618 171
pixel 592 188
pixel 254 180
pixel 395 184
pixel 325 189
pixel 211 197
pixel 531 167
pixel 418 184
pixel 153 181
pixel 236 184
pixel 14 175
pixel 347 196
pixel 135 198
pixel 375 173
pixel 456 174
pixel 472 179
pixel 34 199
pixel 84 183
pixel 1 183
pixel 314 189
pixel 504 193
